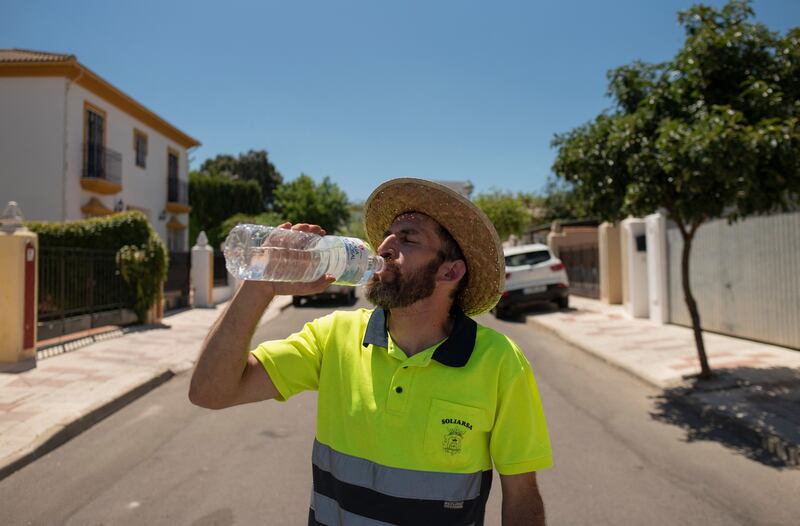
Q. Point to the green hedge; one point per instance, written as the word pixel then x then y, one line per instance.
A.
pixel 140 254
pixel 110 232
pixel 215 198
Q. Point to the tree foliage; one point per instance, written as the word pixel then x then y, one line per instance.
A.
pixel 508 213
pixel 251 166
pixel 304 201
pixel 215 198
pixel 712 133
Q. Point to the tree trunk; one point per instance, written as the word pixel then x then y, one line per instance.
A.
pixel 688 237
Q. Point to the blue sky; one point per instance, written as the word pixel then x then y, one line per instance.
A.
pixel 364 91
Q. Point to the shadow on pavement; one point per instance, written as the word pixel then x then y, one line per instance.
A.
pixel 755 412
pixel 519 315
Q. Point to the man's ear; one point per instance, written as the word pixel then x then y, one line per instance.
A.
pixel 452 270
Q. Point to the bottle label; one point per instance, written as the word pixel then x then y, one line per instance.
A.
pixel 356 253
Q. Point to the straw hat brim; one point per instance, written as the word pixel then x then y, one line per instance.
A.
pixel 469 226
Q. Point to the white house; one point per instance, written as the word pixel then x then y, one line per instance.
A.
pixel 74 146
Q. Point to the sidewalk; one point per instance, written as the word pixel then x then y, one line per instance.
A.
pixel 755 394
pixel 67 393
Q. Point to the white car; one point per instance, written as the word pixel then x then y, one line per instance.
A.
pixel 533 275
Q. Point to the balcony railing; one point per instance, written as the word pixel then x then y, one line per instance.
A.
pixel 177 195
pixel 102 169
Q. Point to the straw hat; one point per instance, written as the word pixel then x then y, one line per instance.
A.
pixel 468 225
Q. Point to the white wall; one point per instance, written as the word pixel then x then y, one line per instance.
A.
pixel 637 302
pixel 141 187
pixel 32 145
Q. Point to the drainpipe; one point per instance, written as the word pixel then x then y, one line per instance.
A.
pixel 65 162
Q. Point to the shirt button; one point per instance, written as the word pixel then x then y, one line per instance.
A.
pixel 398 389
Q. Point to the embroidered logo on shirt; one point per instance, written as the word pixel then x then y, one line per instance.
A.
pixel 452 441
pixel 457 421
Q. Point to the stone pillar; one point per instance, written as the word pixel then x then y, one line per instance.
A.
pixel 555 238
pixel 657 267
pixel 19 255
pixel 203 272
pixel 610 264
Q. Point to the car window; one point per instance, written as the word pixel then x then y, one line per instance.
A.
pixel 528 258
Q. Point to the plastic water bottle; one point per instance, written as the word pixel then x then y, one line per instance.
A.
pixel 266 253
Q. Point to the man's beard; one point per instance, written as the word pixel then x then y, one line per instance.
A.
pixel 403 291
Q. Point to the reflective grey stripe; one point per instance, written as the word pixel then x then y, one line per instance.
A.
pixel 397 482
pixel 328 512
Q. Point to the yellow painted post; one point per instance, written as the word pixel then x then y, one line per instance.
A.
pixel 19 250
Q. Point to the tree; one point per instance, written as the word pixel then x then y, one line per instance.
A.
pixel 560 202
pixel 508 213
pixel 713 133
pixel 304 201
pixel 251 166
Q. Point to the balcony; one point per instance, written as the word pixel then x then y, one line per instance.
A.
pixel 178 196
pixel 102 169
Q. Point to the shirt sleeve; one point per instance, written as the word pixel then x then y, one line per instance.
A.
pixel 520 441
pixel 293 364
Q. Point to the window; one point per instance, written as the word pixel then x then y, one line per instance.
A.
pixel 172 164
pixel 528 258
pixel 94 165
pixel 140 147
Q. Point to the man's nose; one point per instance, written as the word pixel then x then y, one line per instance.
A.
pixel 387 249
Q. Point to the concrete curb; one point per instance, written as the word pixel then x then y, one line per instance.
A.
pixel 55 437
pixel 777 447
pixel 531 320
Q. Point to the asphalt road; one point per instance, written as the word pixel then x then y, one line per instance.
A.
pixel 162 461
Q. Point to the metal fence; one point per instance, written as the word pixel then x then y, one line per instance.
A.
pixel 582 263
pixel 78 283
pixel 220 271
pixel 176 288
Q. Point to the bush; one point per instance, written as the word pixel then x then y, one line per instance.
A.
pixel 109 233
pixel 143 268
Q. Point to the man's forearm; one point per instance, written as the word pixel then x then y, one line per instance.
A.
pixel 524 513
pixel 224 353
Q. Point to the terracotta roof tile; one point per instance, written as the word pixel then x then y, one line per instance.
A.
pixel 26 55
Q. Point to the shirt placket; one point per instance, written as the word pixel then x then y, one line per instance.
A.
pixel 402 382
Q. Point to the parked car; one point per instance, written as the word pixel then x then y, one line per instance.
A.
pixel 533 275
pixel 342 293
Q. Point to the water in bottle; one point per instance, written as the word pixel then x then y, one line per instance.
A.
pixel 266 253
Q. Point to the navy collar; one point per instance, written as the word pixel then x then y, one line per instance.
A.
pixel 455 351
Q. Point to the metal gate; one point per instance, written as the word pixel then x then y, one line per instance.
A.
pixel 79 289
pixel 176 288
pixel 582 263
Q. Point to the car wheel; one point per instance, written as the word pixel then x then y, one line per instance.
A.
pixel 563 303
pixel 296 301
